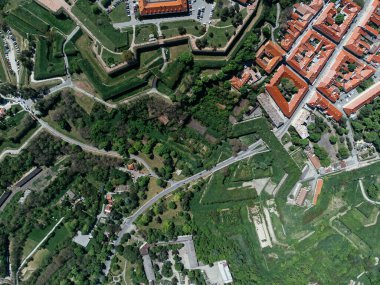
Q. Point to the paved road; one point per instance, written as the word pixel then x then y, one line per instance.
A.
pixel 282 130
pixel 255 148
pixel 24 145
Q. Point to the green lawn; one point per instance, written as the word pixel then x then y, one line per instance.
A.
pixel 170 29
pixel 100 26
pixel 119 14
pixel 143 32
pixel 218 37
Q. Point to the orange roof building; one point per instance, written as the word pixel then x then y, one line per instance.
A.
pixel 364 45
pixel 340 78
pixel 324 105
pixel 364 98
pixel 317 191
pixel 156 7
pixel 372 21
pixel 312 53
pixel 326 21
pixel 274 86
pixel 249 76
pixel 300 18
pixel 269 56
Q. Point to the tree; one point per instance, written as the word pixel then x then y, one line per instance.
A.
pixel 267 32
pixel 343 152
pixel 339 19
pixel 351 67
pixel 181 30
pixel 333 139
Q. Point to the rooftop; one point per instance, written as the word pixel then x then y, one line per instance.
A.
pixel 275 86
pixel 312 53
pixel 324 105
pixel 317 191
pixel 364 98
pixel 346 73
pixel 364 45
pixel 371 22
pixel 300 18
pixel 269 56
pixel 162 7
pixel 249 76
pixel 335 20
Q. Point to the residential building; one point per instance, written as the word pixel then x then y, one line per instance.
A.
pixel 365 45
pixel 335 20
pixel 314 160
pixel 300 199
pixel 269 56
pixel 371 22
pixel 299 19
pixel 299 123
pixel 311 54
pixel 157 7
pixel 271 109
pixel 346 74
pixel 317 191
pixel 249 76
pixel 364 98
pixel 322 104
pixel 285 101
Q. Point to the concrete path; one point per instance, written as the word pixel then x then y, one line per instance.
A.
pixel 364 193
pixel 35 249
pixel 23 146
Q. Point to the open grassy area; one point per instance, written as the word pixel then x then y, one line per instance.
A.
pixel 108 87
pixel 48 63
pixel 100 26
pixel 18 129
pixel 119 14
pixel 170 29
pixel 218 37
pixel 143 32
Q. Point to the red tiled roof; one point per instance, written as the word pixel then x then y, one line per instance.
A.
pixel 269 55
pixel 364 45
pixel 364 98
pixel 300 18
pixel 162 7
pixel 326 21
pixel 318 101
pixel 372 18
pixel 287 108
pixel 317 191
pixel 314 160
pixel 340 78
pixel 312 53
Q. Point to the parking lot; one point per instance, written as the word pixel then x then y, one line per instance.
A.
pixel 11 50
pixel 199 10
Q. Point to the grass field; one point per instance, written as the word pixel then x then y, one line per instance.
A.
pixel 107 87
pixel 17 132
pixel 119 14
pixel 48 64
pixel 217 191
pixel 218 37
pixel 143 32
pixel 100 26
pixel 170 29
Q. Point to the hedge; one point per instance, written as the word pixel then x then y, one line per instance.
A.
pixel 61 21
pixel 110 91
pixel 20 26
pixel 47 66
pixel 30 19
